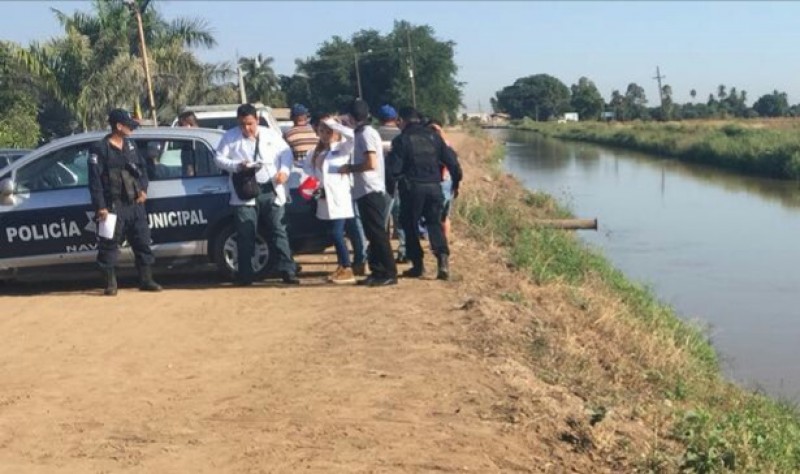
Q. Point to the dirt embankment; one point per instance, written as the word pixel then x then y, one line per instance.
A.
pixel 423 376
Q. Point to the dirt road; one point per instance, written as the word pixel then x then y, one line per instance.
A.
pixel 320 378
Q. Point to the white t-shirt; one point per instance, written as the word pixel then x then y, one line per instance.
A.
pixel 368 140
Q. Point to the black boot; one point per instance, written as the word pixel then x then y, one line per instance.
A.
pixel 417 270
pixel 444 267
pixel 111 281
pixel 146 282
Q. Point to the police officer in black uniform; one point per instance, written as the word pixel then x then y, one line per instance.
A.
pixel 118 184
pixel 416 160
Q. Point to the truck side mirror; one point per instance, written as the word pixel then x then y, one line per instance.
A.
pixel 7 192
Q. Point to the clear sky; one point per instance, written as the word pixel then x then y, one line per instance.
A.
pixel 752 46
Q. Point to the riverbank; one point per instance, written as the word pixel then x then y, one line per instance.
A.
pixel 536 357
pixel 769 148
pixel 594 334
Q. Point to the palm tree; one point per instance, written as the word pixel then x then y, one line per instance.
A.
pixel 261 82
pixel 97 65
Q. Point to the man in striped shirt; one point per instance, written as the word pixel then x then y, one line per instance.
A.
pixel 301 137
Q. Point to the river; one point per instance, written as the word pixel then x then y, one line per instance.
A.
pixel 719 248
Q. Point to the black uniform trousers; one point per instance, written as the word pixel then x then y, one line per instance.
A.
pixel 131 225
pixel 371 207
pixel 422 200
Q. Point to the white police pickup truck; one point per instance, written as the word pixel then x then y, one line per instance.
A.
pixel 46 218
pixel 8 155
pixel 223 116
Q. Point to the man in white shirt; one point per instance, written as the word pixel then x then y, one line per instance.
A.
pixel 369 192
pixel 250 146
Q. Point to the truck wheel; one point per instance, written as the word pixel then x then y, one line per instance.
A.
pixel 225 255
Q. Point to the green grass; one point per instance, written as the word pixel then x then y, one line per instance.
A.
pixel 737 146
pixel 721 427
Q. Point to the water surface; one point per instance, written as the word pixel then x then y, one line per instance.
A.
pixel 722 249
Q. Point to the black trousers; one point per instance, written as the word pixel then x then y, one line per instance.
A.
pixel 381 260
pixel 131 225
pixel 422 200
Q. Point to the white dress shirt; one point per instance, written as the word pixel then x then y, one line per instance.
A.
pixel 274 154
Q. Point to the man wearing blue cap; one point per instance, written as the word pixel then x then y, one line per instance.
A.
pixel 388 130
pixel 118 185
pixel 301 137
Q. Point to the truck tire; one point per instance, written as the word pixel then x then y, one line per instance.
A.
pixel 225 257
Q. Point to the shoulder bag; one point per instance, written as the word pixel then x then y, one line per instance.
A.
pixel 244 181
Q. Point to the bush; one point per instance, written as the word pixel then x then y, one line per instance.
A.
pixel 18 126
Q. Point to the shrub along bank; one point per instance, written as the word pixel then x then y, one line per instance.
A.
pixel 620 349
pixel 758 148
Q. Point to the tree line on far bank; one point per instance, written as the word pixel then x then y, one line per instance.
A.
pixel 68 83
pixel 543 97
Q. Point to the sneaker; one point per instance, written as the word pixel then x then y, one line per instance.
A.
pixel 383 281
pixel 342 275
pixel 367 281
pixel 359 269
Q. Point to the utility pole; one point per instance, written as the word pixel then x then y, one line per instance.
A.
pixel 143 47
pixel 240 79
pixel 358 70
pixel 411 68
pixel 242 90
pixel 660 91
pixel 358 74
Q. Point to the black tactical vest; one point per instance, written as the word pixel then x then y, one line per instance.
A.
pixel 119 183
pixel 422 155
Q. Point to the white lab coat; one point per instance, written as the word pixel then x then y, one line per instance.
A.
pixel 338 200
pixel 274 154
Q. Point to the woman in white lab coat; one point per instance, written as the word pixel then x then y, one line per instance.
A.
pixel 334 197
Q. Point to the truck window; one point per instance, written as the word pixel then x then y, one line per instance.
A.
pixel 176 159
pixel 225 123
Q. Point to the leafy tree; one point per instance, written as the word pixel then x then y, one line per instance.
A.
pixel 734 103
pixel 635 102
pixel 296 89
pixel 721 94
pixel 667 108
pixel 383 68
pixel 586 99
pixel 540 96
pixel 693 93
pixel 617 105
pixel 18 125
pixel 18 111
pixel 694 111
pixel 493 102
pixel 772 105
pixel 438 91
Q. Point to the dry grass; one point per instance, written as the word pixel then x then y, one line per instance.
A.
pixel 600 365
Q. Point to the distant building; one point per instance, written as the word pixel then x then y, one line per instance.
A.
pixel 499 119
pixel 480 117
pixel 571 117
